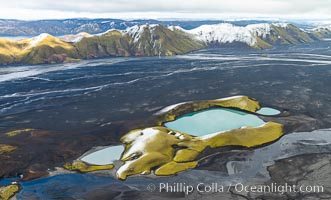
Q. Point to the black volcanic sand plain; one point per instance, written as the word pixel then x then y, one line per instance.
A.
pixel 95 102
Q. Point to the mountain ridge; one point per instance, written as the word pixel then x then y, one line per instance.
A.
pixel 151 40
pixel 95 26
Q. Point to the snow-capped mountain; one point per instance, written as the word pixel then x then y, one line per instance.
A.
pixel 222 33
pixel 254 35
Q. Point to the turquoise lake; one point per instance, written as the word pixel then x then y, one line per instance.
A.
pixel 104 156
pixel 213 120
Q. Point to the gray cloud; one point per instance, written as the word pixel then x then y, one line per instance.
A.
pixel 190 7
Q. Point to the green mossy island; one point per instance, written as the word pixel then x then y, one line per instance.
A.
pixel 6 192
pixel 18 132
pixel 162 151
pixel 5 148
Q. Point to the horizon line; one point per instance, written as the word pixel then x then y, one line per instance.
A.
pixel 176 19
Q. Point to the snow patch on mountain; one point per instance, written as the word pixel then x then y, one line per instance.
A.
pixel 223 33
pixel 173 28
pixel 282 25
pixel 322 27
pixel 104 33
pixel 261 30
pixel 228 33
pixel 75 38
pixel 137 30
pixel 36 40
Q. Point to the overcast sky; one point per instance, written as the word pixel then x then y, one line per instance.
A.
pixel 130 9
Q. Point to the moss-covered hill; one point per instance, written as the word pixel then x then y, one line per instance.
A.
pixel 146 40
pixel 41 49
pixel 289 34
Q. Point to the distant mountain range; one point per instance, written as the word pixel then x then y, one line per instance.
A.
pixel 151 40
pixel 94 26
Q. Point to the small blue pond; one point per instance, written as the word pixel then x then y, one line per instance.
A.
pixel 268 111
